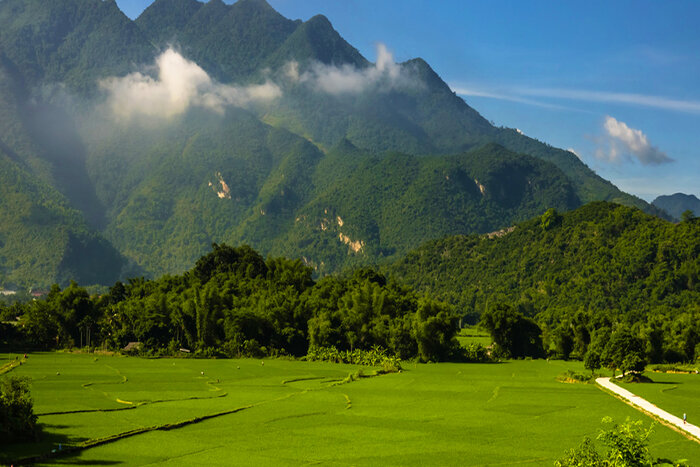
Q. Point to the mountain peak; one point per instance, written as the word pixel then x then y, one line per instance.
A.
pixel 317 40
pixel 163 19
pixel 677 203
pixel 255 5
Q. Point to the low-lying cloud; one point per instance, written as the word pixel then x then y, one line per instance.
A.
pixel 179 84
pixel 622 143
pixel 174 84
pixel 386 74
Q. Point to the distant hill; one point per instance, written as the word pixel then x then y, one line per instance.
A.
pixel 677 204
pixel 599 258
pixel 345 162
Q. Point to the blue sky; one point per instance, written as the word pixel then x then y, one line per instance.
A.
pixel 616 82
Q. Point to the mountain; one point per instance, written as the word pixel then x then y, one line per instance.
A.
pixel 250 128
pixel 42 239
pixel 599 258
pixel 71 42
pixel 677 204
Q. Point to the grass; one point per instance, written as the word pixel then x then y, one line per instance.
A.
pixel 291 412
pixel 676 393
pixel 473 335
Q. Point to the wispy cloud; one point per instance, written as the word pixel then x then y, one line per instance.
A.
pixel 505 96
pixel 524 95
pixel 621 143
pixel 179 84
pixel 643 100
pixel 348 79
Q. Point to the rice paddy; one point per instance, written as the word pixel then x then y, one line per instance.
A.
pixel 280 412
pixel 677 393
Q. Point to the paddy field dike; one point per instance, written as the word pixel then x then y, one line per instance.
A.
pixel 112 410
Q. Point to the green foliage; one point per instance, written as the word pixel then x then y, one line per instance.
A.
pixel 17 419
pixel 592 360
pixel 234 303
pixel 600 267
pixel 515 335
pixel 549 219
pixel 626 447
pixel 687 216
pixel 373 357
pixel 475 353
pixel 624 351
pixel 571 376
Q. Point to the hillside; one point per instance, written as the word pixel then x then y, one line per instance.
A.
pixel 596 259
pixel 677 204
pixel 186 188
pixel 252 128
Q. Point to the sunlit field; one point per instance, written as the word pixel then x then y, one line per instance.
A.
pixel 676 393
pixel 279 412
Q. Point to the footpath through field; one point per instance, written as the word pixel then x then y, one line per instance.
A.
pixel 647 406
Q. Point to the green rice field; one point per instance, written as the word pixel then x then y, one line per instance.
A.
pixel 281 412
pixel 676 393
pixel 473 335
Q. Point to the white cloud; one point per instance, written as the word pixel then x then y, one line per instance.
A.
pixel 348 79
pixel 524 95
pixel 622 143
pixel 643 100
pixel 466 90
pixel 573 151
pixel 179 85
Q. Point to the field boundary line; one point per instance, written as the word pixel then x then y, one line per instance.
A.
pixel 132 405
pixel 176 425
pixel 8 367
pixel 126 434
pixel 690 431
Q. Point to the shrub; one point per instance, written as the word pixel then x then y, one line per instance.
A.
pixel 476 353
pixel 17 418
pixel 375 357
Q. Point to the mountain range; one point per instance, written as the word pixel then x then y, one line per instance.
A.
pixel 677 204
pixel 128 147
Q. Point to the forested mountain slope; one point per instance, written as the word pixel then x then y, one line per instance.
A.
pixel 207 122
pixel 599 258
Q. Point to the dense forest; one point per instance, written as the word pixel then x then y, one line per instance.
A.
pixel 604 283
pixel 580 276
pixel 234 303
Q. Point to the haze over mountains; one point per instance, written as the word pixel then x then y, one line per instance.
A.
pixel 128 147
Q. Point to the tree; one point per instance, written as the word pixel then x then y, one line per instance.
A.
pixel 563 337
pixel 687 216
pixel 592 360
pixel 626 443
pixel 435 328
pixel 550 219
pixel 624 351
pixel 242 260
pixel 514 334
pixel 17 418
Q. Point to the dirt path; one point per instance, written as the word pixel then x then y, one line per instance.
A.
pixel 647 406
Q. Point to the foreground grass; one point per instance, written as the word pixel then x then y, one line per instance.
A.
pixel 293 413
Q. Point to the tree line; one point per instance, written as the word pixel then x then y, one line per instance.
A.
pixel 561 285
pixel 235 303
